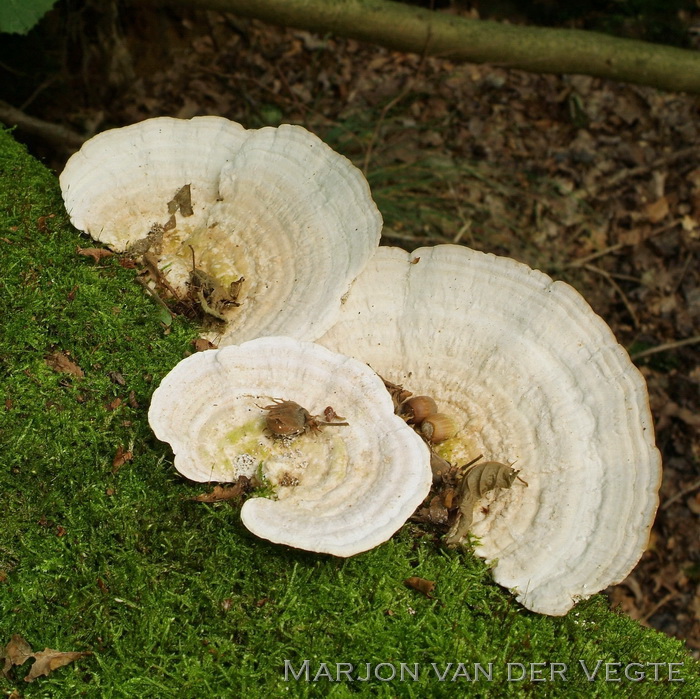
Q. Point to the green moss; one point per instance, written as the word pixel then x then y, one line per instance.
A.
pixel 174 597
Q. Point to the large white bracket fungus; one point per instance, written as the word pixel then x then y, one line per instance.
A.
pixel 275 206
pixel 534 377
pixel 342 490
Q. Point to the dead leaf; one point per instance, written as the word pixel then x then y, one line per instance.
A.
pixel 170 224
pixel 437 512
pixel 116 377
pixel 16 652
pixel 59 361
pixel 182 202
pixel 113 405
pixel 656 211
pixel 41 222
pixel 478 481
pixel 48 660
pixel 96 253
pixel 439 466
pixel 120 458
pixel 200 345
pixel 398 393
pixel 423 586
pixel 127 262
pixel 225 492
pixel 132 400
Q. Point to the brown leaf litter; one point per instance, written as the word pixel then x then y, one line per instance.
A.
pixel 18 651
pixel 61 363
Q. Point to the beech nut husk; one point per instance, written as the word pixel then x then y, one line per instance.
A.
pixel 438 427
pixel 417 408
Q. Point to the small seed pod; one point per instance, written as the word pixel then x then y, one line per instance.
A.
pixel 438 427
pixel 415 409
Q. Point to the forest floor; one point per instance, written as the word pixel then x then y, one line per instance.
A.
pixel 594 182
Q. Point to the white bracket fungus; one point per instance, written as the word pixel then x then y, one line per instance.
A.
pixel 340 488
pixel 274 212
pixel 533 376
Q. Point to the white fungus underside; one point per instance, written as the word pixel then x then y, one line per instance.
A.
pixel 275 205
pixel 357 484
pixel 536 378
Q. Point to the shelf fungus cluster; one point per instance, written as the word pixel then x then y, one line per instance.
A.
pixel 534 380
pixel 265 229
pixel 272 408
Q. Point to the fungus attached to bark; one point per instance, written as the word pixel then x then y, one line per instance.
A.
pixel 278 223
pixel 533 377
pixel 342 486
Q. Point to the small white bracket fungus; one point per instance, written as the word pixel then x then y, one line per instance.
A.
pixel 275 206
pixel 341 490
pixel 533 377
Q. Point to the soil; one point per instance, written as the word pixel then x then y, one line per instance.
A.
pixel 594 182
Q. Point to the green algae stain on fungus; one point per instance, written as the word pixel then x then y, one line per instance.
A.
pixel 244 447
pixel 250 438
pixel 306 460
pixel 458 448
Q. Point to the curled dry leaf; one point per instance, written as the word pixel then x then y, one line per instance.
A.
pixel 439 466
pixel 477 482
pixel 48 660
pixel 120 458
pixel 59 362
pixel 201 344
pixel 16 652
pixel 423 586
pixel 117 378
pixel 113 405
pixel 225 492
pixel 41 222
pixel 398 393
pixel 182 202
pixel 96 253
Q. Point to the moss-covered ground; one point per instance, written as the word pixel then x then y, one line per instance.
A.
pixel 173 597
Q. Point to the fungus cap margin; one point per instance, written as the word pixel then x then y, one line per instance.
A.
pixel 534 377
pixel 275 206
pixel 342 491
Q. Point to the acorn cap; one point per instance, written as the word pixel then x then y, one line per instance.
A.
pixel 532 376
pixel 275 206
pixel 342 490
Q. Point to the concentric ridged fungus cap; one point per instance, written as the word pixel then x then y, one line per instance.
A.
pixel 533 377
pixel 275 206
pixel 341 490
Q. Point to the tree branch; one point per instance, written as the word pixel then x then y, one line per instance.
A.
pixel 534 49
pixel 59 136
